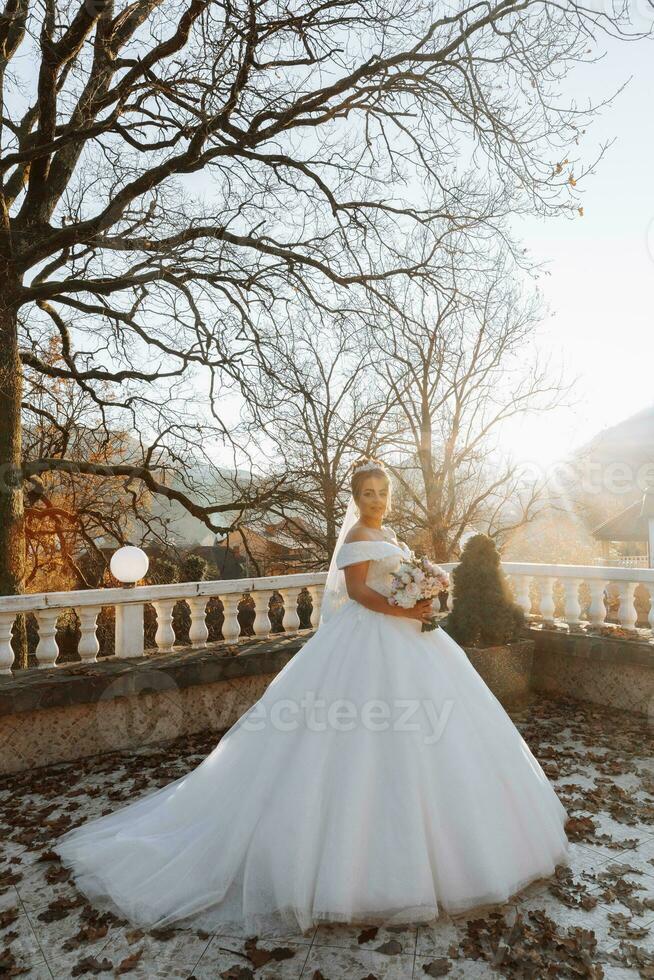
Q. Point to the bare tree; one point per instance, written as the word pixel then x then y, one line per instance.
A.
pixel 172 175
pixel 70 515
pixel 458 365
pixel 315 407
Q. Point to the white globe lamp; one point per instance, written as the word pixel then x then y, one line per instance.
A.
pixel 129 564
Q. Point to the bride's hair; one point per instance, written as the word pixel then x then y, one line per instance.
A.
pixel 362 469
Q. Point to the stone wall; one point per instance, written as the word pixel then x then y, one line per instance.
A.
pixel 74 711
pixel 70 712
pixel 605 670
pixel 507 670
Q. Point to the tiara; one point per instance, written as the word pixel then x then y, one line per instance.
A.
pixel 368 466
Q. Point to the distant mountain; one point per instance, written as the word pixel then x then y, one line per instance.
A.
pixel 217 485
pixel 601 483
pixel 204 484
pixel 630 441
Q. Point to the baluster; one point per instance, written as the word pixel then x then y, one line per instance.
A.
pixel 291 621
pixel 231 627
pixel 572 611
pixel 316 592
pixel 449 605
pixel 596 609
pixel 88 646
pixel 522 597
pixel 129 630
pixel 6 649
pixel 165 635
pixel 547 598
pixel 198 633
pixel 261 618
pixel 301 592
pixel 47 650
pixel 627 611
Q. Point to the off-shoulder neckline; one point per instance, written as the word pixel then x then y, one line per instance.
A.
pixel 353 551
pixel 386 539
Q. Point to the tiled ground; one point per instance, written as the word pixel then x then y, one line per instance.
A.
pixel 593 920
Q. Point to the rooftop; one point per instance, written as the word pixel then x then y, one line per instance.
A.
pixel 594 919
pixel 631 523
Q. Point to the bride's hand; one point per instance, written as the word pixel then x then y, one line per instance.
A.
pixel 422 611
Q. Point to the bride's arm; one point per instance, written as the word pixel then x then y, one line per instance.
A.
pixel 355 581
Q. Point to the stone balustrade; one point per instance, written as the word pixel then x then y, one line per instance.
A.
pixel 564 585
pixel 128 604
pixel 551 584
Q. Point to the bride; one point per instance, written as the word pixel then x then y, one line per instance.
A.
pixel 377 780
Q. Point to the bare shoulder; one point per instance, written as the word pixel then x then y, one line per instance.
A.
pixel 359 533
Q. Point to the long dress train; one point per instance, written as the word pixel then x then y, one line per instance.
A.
pixel 377 780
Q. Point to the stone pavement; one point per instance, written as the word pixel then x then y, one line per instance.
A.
pixel 595 919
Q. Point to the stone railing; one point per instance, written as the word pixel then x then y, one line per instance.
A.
pixel 526 579
pixel 616 583
pixel 128 604
pixel 627 561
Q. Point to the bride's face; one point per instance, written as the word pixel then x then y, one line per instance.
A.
pixel 373 498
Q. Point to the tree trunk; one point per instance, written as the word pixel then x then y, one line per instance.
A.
pixel 439 543
pixel 12 518
pixel 431 489
pixel 331 531
pixel 437 532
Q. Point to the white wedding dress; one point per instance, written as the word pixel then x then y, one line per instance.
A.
pixel 378 780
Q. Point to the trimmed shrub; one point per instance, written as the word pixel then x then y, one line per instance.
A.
pixel 483 610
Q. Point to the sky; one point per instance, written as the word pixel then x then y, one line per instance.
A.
pixel 600 287
pixel 600 282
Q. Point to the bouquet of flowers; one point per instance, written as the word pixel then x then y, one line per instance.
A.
pixel 415 579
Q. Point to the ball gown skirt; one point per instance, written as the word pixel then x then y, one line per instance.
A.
pixel 378 780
